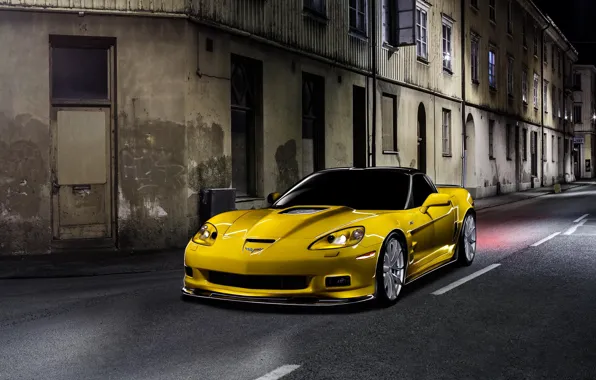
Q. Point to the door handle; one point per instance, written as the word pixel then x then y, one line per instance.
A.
pixel 55 186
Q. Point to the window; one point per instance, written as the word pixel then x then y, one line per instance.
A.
pixel 421 32
pixel 560 102
pixel 508 141
pixel 535 41
pixel 447 52
pixel 492 74
pixel 491 130
pixel 553 96
pixel 552 61
pixel 524 33
pixel 421 189
pixel 536 83
pixel 446 132
pixel 525 85
pixel 345 188
pixel 474 57
pixel 545 53
pixel 474 3
pixel 315 6
pixel 509 17
pixel 389 114
pixel 80 74
pixel 358 16
pixel 577 113
pixel 559 61
pixel 525 144
pixel 492 12
pixel 544 146
pixel 389 22
pixel 545 96
pixel 577 81
pixel 510 76
pixel 552 148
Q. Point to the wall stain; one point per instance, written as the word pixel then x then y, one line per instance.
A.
pixel 287 165
pixel 23 168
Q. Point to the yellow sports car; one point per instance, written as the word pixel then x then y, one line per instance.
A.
pixel 338 236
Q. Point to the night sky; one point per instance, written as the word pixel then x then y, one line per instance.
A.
pixel 576 19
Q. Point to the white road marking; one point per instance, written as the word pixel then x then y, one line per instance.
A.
pixel 580 218
pixel 280 372
pixel 572 229
pixel 545 239
pixel 464 280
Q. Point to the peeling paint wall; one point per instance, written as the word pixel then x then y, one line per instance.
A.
pixel 173 124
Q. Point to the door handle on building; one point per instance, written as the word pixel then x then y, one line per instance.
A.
pixel 55 186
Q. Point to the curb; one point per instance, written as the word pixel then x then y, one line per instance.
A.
pixel 549 192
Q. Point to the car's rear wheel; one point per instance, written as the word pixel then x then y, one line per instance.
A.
pixel 467 241
pixel 391 270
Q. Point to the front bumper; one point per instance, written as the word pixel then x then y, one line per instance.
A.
pixel 285 301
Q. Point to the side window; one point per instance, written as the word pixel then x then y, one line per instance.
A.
pixel 421 189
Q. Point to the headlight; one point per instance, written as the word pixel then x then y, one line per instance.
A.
pixel 206 235
pixel 340 239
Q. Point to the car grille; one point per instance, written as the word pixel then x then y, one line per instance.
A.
pixel 258 282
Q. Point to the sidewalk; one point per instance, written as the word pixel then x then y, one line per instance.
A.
pixel 106 263
pixel 499 200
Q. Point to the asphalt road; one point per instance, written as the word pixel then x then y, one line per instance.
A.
pixel 529 312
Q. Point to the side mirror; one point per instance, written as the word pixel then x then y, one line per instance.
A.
pixel 271 198
pixel 435 200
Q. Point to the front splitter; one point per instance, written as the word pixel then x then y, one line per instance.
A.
pixel 282 301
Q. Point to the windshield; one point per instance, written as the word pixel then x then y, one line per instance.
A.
pixel 358 189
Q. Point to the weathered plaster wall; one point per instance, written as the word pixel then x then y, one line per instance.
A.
pixel 152 80
pixel 487 172
pixel 443 170
pixel 173 123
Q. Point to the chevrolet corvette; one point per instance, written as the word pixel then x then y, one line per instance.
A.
pixel 338 236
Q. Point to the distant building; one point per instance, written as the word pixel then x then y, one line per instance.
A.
pixel 113 115
pixel 584 120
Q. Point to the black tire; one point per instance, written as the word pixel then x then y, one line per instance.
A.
pixel 382 296
pixel 463 258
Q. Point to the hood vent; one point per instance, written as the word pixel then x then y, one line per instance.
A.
pixel 304 210
pixel 267 241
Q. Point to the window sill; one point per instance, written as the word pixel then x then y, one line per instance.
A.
pixel 315 15
pixel 475 82
pixel 447 71
pixel 492 158
pixel 359 34
pixel 509 159
pixel 493 23
pixel 510 35
pixel 391 152
pixel 389 46
pixel 447 155
pixel 248 198
pixel 492 89
pixel 474 8
pixel 422 60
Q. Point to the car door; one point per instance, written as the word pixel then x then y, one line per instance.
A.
pixel 421 227
pixel 444 218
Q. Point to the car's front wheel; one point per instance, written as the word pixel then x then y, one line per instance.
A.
pixel 467 241
pixel 391 270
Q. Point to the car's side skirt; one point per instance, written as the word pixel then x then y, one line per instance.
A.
pixel 453 260
pixel 280 301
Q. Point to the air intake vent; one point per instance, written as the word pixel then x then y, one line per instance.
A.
pixel 304 210
pixel 267 241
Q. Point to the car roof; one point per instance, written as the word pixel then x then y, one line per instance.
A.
pixel 396 169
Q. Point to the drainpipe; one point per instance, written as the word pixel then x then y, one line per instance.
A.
pixel 463 94
pixel 374 84
pixel 542 108
pixel 565 121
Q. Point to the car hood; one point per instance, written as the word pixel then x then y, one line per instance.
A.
pixel 297 222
